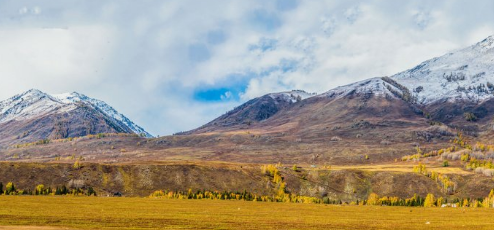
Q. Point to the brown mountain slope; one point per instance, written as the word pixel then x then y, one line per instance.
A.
pixel 252 112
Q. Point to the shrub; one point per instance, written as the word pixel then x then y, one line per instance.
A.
pixel 445 163
pixel 77 164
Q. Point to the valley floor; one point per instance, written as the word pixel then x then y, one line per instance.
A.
pixel 25 212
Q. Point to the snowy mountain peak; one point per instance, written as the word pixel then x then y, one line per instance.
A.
pixel 487 43
pixel 33 92
pixel 464 75
pixel 35 103
pixel 71 97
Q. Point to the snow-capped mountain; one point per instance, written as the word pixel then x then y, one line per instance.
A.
pixel 463 75
pixel 63 115
pixel 30 104
pixel 73 98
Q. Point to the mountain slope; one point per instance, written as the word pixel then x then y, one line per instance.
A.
pixel 34 115
pixel 253 111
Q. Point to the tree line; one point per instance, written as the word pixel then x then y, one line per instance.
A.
pixel 373 199
pixel 11 189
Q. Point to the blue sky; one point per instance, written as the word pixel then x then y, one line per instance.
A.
pixel 175 65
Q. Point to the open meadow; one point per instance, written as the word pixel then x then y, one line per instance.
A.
pixel 47 212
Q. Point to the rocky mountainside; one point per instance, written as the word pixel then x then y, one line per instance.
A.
pixel 35 115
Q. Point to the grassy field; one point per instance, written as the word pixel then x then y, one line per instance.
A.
pixel 23 212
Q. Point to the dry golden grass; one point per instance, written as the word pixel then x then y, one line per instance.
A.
pixel 402 168
pixel 149 213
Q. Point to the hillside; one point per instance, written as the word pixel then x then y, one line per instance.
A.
pixel 143 179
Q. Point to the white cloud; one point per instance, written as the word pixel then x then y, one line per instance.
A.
pixel 52 59
pixel 227 95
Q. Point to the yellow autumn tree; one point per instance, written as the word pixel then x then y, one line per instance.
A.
pixel 430 200
pixel 40 189
pixel 373 199
pixel 440 201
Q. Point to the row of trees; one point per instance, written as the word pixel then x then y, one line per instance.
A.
pixel 433 153
pixel 373 199
pixel 11 189
pixel 246 196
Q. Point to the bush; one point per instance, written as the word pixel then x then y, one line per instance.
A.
pixel 445 163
